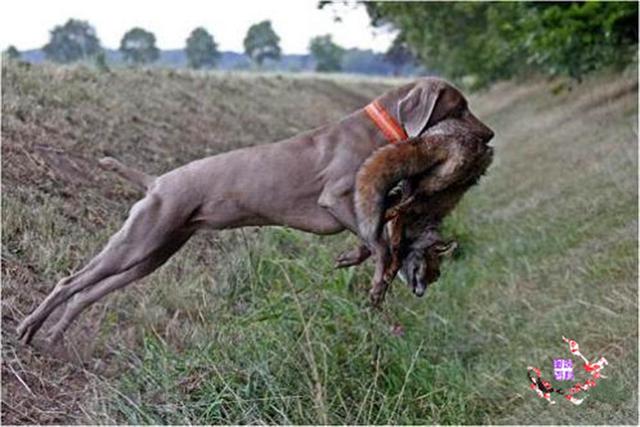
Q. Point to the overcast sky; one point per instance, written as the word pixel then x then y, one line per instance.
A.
pixel 26 23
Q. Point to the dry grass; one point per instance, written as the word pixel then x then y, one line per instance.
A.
pixel 255 326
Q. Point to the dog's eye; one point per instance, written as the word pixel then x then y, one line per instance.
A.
pixel 458 111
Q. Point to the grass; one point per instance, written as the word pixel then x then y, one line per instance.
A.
pixel 255 326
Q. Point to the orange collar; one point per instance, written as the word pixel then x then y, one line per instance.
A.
pixel 389 126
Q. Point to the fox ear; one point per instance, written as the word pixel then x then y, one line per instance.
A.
pixel 416 109
pixel 446 249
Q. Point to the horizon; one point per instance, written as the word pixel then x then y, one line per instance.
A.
pixel 171 23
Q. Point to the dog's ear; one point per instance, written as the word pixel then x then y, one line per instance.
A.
pixel 416 109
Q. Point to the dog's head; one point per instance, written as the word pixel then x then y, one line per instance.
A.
pixel 431 100
pixel 421 267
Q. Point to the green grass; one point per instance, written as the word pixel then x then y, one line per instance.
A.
pixel 255 326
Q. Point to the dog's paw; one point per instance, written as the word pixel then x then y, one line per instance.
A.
pixel 344 260
pixel 26 330
pixel 352 257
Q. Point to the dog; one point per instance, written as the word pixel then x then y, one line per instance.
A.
pixel 306 182
pixel 434 171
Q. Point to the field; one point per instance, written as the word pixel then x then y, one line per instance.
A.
pixel 255 325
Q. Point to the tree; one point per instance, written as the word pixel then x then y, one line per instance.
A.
pixel 364 61
pixel 12 53
pixel 138 46
pixel 457 39
pixel 72 41
pixel 327 54
pixel 495 40
pixel 399 55
pixel 202 50
pixel 575 39
pixel 262 43
pixel 101 63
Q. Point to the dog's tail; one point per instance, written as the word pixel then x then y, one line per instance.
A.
pixel 384 169
pixel 138 178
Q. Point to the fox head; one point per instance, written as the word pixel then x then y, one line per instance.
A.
pixel 421 266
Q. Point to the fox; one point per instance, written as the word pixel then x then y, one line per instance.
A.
pixel 433 172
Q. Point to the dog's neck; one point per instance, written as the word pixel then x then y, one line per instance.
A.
pixel 388 125
pixel 368 131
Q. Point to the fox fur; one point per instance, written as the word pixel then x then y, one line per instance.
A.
pixel 439 167
pixel 434 170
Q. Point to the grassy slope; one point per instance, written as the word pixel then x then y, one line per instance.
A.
pixel 254 326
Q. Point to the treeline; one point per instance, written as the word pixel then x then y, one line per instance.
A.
pixel 77 40
pixel 481 42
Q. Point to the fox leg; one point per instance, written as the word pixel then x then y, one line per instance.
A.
pixel 400 201
pixel 378 283
pixel 396 240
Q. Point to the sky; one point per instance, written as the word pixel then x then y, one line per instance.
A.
pixel 26 23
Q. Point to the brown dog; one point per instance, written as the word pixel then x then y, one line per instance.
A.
pixel 306 182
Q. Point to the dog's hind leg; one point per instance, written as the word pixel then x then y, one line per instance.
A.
pixel 150 227
pixel 84 299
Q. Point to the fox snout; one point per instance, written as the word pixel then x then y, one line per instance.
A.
pixel 419 289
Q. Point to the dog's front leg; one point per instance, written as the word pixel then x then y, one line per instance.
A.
pixel 337 198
